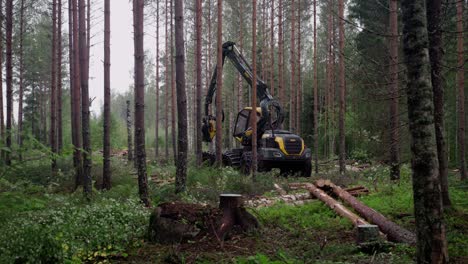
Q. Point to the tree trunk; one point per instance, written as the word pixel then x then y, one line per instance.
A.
pixel 84 64
pixel 253 114
pixel 342 88
pixel 299 69
pixel 315 90
pixel 292 60
pixel 461 92
pixel 198 69
pixel 2 118
pixel 272 47
pixel 393 67
pixel 138 32
pixel 21 70
pixel 167 87
pixel 393 231
pixel 156 130
pixel 182 140
pixel 129 133
pixel 433 8
pixel 280 54
pixel 106 172
pixel 59 77
pixel 430 229
pixel 53 90
pixel 173 89
pixel 9 77
pixel 77 158
pixel 219 86
pixel 71 70
pixel 240 98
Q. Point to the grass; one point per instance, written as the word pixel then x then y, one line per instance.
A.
pixel 40 220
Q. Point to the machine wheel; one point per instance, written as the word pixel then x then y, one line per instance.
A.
pixel 232 158
pixel 307 170
pixel 208 158
pixel 246 163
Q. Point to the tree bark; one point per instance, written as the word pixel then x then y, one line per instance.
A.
pixel 461 92
pixel 71 73
pixel 299 69
pixel 393 231
pixel 173 90
pixel 219 86
pixel 156 130
pixel 433 8
pixel 84 64
pixel 2 117
pixel 292 60
pixel 315 90
pixel 129 133
pixel 138 18
pixel 9 77
pixel 21 71
pixel 280 54
pixel 393 67
pixel 59 77
pixel 430 228
pixel 53 90
pixel 198 69
pixel 106 170
pixel 167 87
pixel 272 47
pixel 240 98
pixel 182 140
pixel 253 114
pixel 342 80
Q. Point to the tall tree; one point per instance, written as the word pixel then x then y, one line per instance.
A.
pixel 9 76
pixel 393 68
pixel 315 90
pixel 173 89
pixel 253 114
pixel 430 229
pixel 292 60
pixel 71 71
pixel 106 173
pixel 219 86
pixel 182 140
pixel 342 80
pixel 166 85
pixel 85 132
pixel 53 89
pixel 281 91
pixel 461 91
pixel 21 76
pixel 138 33
pixel 299 69
pixel 433 9
pixel 2 118
pixel 59 77
pixel 156 130
pixel 272 47
pixel 76 97
pixel 198 69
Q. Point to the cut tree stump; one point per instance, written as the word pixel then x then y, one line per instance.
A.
pixel 234 214
pixel 367 233
pixel 393 231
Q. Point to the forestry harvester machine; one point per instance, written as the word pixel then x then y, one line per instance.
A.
pixel 276 148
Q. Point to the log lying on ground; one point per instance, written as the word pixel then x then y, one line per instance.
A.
pixel 292 199
pixel 332 203
pixel 393 231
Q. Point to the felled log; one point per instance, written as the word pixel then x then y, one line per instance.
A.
pixel 393 231
pixel 332 203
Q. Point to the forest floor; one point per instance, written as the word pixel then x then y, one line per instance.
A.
pixel 42 220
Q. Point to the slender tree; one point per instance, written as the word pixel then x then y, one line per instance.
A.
pixel 292 60
pixel 173 89
pixel 281 91
pixel 85 133
pixel 138 32
pixel 106 173
pixel 71 70
pixel 9 76
pixel 182 140
pixel 430 229
pixel 461 92
pixel 342 87
pixel 129 133
pixel 272 47
pixel 393 68
pixel 219 86
pixel 53 89
pixel 315 90
pixel 59 77
pixel 299 69
pixel 433 8
pixel 253 114
pixel 2 118
pixel 166 99
pixel 156 135
pixel 21 76
pixel 198 69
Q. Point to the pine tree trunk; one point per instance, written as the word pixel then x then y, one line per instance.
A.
pixel 138 32
pixel 173 90
pixel 219 86
pixel 461 92
pixel 299 69
pixel 9 77
pixel 167 87
pixel 430 229
pixel 253 114
pixel 292 60
pixel 156 130
pixel 433 8
pixel 240 98
pixel 106 173
pixel 53 89
pixel 129 133
pixel 2 117
pixel 315 90
pixel 272 47
pixel 59 77
pixel 342 88
pixel 198 69
pixel 21 71
pixel 77 157
pixel 71 72
pixel 84 64
pixel 280 54
pixel 393 67
pixel 182 140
